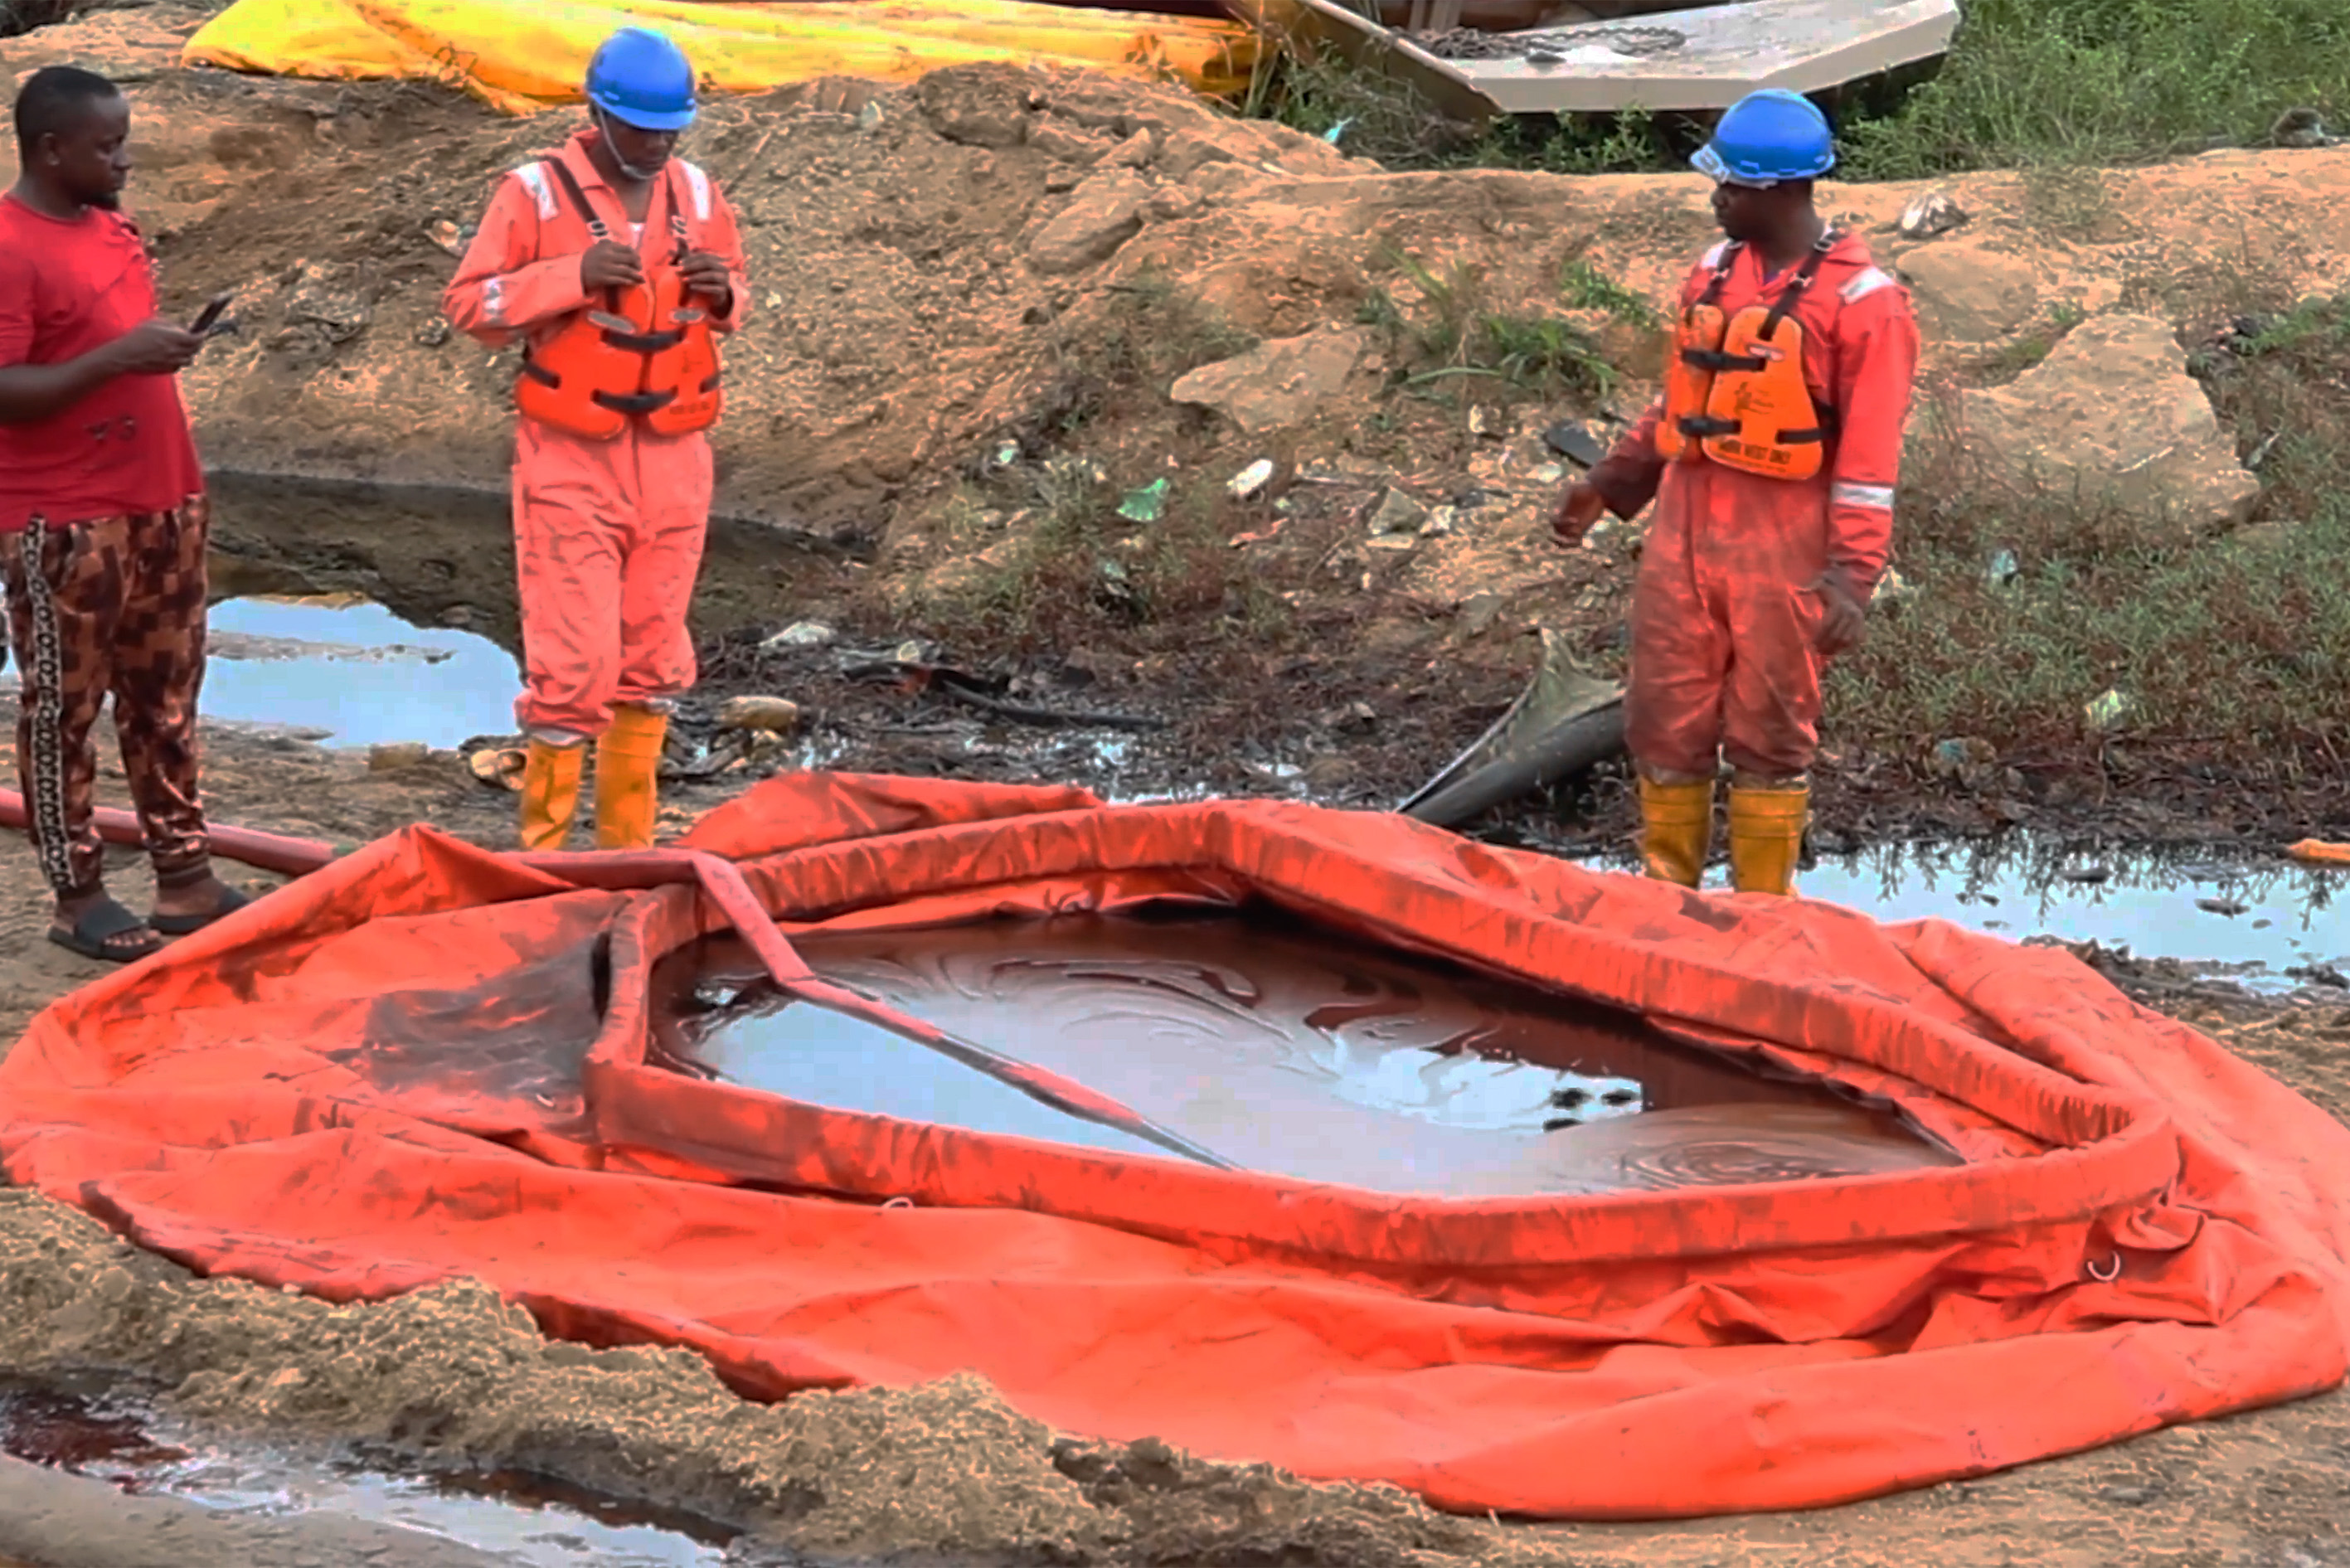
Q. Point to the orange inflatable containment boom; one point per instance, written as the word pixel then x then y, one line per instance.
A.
pixel 300 1097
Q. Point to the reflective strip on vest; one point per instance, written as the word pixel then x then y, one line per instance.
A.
pixel 494 300
pixel 700 182
pixel 541 189
pixel 1866 283
pixel 1872 497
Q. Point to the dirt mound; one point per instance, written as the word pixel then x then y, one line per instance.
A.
pixel 454 1377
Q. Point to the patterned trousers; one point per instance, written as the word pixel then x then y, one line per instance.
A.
pixel 113 608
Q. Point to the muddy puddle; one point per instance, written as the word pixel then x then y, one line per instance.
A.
pixel 343 671
pixel 1276 1048
pixel 514 1518
pixel 2270 927
pixel 349 673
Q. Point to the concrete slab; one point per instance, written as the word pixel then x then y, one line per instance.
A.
pixel 1707 57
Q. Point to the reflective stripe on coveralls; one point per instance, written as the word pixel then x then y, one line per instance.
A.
pixel 608 533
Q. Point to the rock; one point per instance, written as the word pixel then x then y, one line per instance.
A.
pixel 1185 153
pixel 1968 294
pixel 398 756
pixel 1398 514
pixel 1137 151
pixel 1176 201
pixel 1277 384
pixel 2112 414
pixel 977 106
pixel 1105 211
pixel 1479 611
pixel 775 715
pixel 1069 143
pixel 1229 182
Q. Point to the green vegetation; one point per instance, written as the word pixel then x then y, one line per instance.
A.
pixel 1448 333
pixel 2238 646
pixel 2027 84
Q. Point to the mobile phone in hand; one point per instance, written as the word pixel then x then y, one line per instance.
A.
pixel 202 326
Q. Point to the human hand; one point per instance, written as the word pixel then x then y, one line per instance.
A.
pixel 156 347
pixel 1844 612
pixel 706 275
pixel 611 265
pixel 1578 509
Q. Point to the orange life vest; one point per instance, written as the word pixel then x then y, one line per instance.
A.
pixel 1735 391
pixel 649 354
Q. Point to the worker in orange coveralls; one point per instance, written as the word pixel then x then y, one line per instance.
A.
pixel 1773 458
pixel 619 264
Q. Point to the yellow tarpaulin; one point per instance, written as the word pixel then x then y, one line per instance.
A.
pixel 525 54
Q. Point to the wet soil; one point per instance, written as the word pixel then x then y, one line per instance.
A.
pixel 1272 1047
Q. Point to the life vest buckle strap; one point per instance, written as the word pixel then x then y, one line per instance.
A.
pixel 1714 359
pixel 1698 427
pixel 646 343
pixel 635 403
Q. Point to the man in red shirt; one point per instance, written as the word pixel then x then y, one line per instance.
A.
pixel 102 520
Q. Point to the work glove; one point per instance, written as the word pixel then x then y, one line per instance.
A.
pixel 1578 509
pixel 1844 611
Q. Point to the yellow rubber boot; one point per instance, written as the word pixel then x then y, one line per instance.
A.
pixel 628 774
pixel 550 794
pixel 1676 829
pixel 1766 836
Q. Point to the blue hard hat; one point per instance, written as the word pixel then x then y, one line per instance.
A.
pixel 641 78
pixel 1767 137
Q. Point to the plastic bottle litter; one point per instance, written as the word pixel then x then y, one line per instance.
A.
pixel 2005 569
pixel 1250 480
pixel 2107 710
pixel 1147 504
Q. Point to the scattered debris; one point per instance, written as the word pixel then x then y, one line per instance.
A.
pixel 1575 442
pixel 773 715
pixel 1929 214
pixel 2108 709
pixel 1147 504
pixel 2229 907
pixel 1398 512
pixel 1249 481
pixel 2002 571
pixel 799 633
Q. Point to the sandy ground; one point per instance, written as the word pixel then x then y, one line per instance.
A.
pixel 453 1377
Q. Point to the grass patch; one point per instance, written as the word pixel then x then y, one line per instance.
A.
pixel 1452 334
pixel 1068 570
pixel 2007 362
pixel 1078 572
pixel 2237 648
pixel 2027 83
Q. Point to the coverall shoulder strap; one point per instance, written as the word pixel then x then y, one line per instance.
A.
pixel 580 202
pixel 1798 285
pixel 1722 258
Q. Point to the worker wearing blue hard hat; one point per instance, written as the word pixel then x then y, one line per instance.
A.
pixel 617 265
pixel 1773 456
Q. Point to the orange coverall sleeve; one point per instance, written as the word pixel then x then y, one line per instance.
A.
pixel 724 238
pixel 503 288
pixel 1876 371
pixel 1627 477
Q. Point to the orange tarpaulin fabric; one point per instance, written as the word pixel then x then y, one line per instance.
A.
pixel 425 1061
